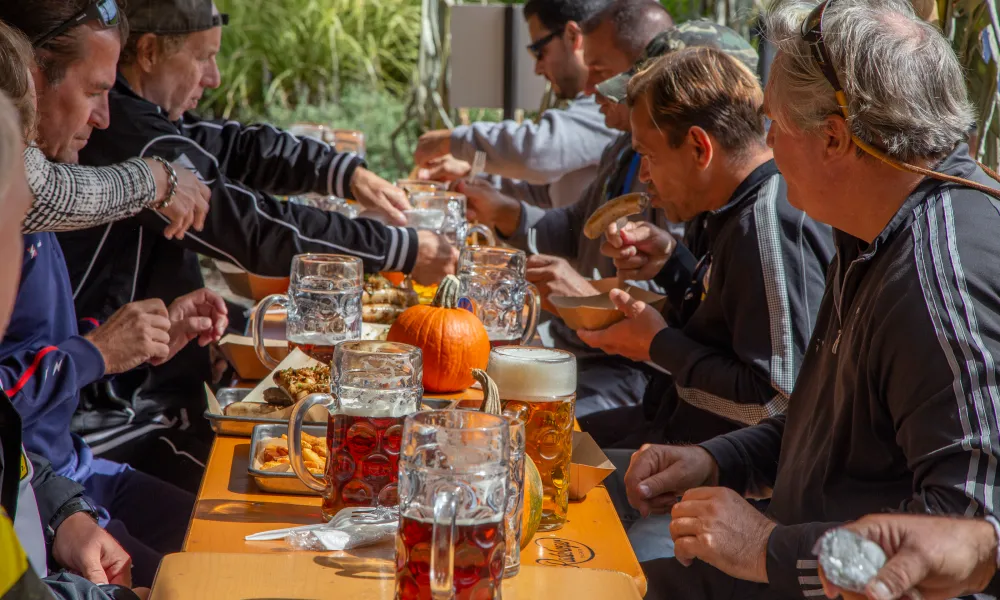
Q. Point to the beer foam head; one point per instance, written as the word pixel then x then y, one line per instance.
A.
pixel 522 371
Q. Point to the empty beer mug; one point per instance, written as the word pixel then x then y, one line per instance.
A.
pixel 323 303
pixel 452 499
pixel 445 213
pixel 416 186
pixel 493 280
pixel 375 385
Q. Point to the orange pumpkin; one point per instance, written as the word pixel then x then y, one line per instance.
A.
pixel 453 340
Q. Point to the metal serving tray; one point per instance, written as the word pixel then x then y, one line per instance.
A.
pixel 244 426
pixel 278 483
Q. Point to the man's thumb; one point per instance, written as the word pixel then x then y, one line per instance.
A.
pixel 897 577
pixel 626 304
pixel 198 324
pixel 93 571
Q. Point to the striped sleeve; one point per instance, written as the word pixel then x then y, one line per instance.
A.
pixel 72 197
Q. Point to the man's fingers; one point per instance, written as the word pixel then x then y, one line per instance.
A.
pixel 898 576
pixel 684 526
pixel 627 304
pixel 200 215
pixel 153 306
pixel 686 550
pixel 592 337
pixel 92 570
pixel 198 325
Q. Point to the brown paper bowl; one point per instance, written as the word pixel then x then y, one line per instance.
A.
pixel 599 312
pixel 249 285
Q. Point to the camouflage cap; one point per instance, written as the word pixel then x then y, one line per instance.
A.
pixel 700 32
pixel 173 16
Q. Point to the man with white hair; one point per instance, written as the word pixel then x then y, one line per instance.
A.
pixel 897 399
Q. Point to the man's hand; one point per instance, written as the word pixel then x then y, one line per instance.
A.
pixel 490 207
pixel 137 333
pixel 718 526
pixel 375 193
pixel 83 547
pixel 190 204
pixel 444 168
pixel 435 258
pixel 639 249
pixel 554 275
pixel 940 557
pixel 431 145
pixel 201 314
pixel 658 475
pixel 632 336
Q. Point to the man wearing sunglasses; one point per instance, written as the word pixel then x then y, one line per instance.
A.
pixel 896 403
pixel 551 162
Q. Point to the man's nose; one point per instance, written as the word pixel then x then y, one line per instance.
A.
pixel 100 118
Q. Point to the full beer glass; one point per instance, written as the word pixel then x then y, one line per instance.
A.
pixel 375 386
pixel 452 497
pixel 538 387
pixel 324 306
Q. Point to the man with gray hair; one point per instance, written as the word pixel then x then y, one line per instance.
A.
pixel 897 399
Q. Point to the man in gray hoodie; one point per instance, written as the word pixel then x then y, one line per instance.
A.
pixel 551 162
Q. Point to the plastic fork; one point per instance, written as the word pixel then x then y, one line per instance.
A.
pixel 368 516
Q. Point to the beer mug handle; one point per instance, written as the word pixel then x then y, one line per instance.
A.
pixel 534 309
pixel 295 440
pixel 257 326
pixel 486 232
pixel 443 544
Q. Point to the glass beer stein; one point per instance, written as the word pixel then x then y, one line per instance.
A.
pixel 538 387
pixel 375 386
pixel 493 280
pixel 452 497
pixel 445 213
pixel 416 186
pixel 515 498
pixel 323 303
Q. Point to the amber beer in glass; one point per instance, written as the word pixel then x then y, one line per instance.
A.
pixel 453 492
pixel 538 387
pixel 375 386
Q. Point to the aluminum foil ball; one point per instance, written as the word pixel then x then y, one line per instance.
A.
pixel 849 561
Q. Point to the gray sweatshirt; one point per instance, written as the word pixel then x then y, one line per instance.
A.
pixel 560 152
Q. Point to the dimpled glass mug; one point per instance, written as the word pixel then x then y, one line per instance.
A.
pixel 538 387
pixel 492 279
pixel 324 306
pixel 445 213
pixel 452 498
pixel 375 385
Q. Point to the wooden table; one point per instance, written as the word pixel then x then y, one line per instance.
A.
pixel 300 576
pixel 230 507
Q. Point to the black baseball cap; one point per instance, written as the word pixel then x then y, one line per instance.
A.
pixel 171 17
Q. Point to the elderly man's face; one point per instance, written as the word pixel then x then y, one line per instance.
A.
pixel 70 109
pixel 178 80
pixel 673 176
pixel 13 205
pixel 603 58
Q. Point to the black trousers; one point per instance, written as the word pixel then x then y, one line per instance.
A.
pixel 668 579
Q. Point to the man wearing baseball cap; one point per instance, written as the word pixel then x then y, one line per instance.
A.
pixel 167 62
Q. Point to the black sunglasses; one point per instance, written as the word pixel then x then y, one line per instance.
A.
pixel 536 47
pixel 103 11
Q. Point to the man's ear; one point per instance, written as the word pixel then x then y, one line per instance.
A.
pixel 147 52
pixel 700 144
pixel 574 36
pixel 837 134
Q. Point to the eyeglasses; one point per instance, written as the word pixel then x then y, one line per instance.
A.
pixel 104 11
pixel 812 35
pixel 535 48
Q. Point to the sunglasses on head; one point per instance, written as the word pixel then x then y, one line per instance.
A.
pixel 535 48
pixel 105 12
pixel 812 35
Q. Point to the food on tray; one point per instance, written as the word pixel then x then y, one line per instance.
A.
pixel 274 456
pixel 253 409
pixel 382 300
pixel 613 210
pixel 299 383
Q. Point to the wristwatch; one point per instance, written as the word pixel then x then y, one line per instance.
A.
pixel 73 506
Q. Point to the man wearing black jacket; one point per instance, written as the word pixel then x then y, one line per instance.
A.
pixel 896 403
pixel 129 260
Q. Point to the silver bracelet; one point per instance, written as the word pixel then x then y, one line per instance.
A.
pixel 996 528
pixel 171 183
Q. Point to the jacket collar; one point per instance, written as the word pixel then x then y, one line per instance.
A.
pixel 123 87
pixel 746 192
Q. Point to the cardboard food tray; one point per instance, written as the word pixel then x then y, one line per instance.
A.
pixel 271 481
pixel 588 467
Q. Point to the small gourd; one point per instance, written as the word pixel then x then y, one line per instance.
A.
pixel 452 339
